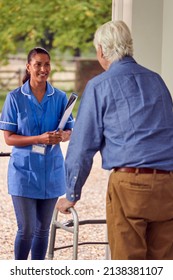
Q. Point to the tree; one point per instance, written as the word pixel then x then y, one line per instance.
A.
pixel 56 24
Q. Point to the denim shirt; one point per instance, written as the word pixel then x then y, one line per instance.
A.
pixel 125 113
pixel 32 174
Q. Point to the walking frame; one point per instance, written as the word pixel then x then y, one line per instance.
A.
pixel 71 226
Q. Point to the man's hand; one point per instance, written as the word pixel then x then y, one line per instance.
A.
pixel 64 204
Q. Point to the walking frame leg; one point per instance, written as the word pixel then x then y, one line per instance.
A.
pixel 75 232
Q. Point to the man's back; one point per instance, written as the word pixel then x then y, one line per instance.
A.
pixel 137 116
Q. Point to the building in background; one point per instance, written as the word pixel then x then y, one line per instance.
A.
pixel 151 24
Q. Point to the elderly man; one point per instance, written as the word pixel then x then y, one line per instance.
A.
pixel 126 113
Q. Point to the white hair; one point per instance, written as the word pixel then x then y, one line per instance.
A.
pixel 115 39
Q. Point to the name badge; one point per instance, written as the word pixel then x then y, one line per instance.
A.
pixel 39 149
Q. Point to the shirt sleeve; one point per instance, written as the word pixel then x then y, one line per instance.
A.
pixel 8 119
pixel 86 140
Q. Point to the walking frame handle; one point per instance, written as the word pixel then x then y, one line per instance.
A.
pixel 4 154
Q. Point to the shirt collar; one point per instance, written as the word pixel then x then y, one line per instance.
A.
pixel 125 59
pixel 26 90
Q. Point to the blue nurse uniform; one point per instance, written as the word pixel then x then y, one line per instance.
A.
pixel 32 174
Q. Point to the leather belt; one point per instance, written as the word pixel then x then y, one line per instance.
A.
pixel 141 170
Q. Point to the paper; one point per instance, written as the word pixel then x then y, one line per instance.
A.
pixel 68 110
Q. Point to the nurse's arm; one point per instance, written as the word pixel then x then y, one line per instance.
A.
pixel 48 138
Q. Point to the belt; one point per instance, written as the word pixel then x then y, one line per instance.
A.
pixel 141 170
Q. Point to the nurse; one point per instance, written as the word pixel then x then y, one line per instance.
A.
pixel 36 174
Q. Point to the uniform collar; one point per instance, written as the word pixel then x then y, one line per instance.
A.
pixel 26 90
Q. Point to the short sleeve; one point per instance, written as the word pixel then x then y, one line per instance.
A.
pixel 8 120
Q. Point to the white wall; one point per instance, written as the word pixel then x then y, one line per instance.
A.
pixel 151 23
pixel 147 22
pixel 167 44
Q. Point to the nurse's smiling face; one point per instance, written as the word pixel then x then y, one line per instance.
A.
pixel 39 68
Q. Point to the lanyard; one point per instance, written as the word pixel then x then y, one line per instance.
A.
pixel 38 124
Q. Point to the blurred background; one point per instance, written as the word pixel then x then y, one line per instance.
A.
pixel 66 29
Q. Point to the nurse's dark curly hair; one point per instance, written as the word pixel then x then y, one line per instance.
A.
pixel 31 54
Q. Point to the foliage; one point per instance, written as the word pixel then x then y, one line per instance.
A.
pixel 2 99
pixel 57 25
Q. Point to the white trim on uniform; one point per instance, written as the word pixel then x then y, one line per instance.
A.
pixel 24 92
pixel 53 90
pixel 8 123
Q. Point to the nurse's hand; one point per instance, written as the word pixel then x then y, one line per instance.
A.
pixel 50 138
pixel 63 135
pixel 64 204
pixel 66 135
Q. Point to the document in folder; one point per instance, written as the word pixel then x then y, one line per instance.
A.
pixel 68 110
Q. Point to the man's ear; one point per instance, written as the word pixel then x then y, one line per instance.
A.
pixel 101 51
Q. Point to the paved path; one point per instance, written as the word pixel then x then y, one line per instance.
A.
pixel 91 206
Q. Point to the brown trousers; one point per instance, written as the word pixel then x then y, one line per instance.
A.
pixel 140 216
